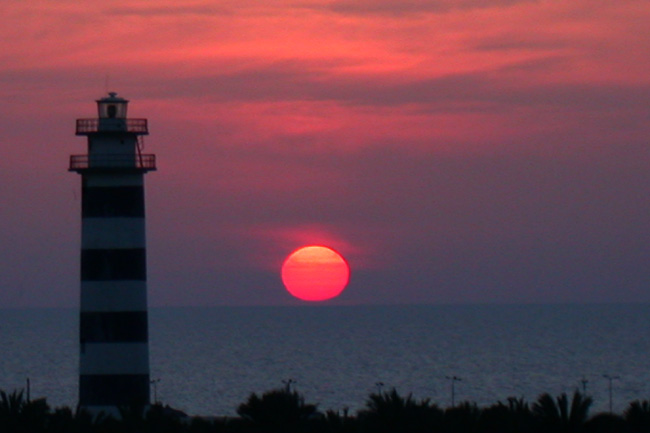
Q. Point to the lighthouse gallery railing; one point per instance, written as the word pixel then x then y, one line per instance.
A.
pixel 86 126
pixel 113 161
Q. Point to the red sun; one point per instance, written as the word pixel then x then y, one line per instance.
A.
pixel 315 273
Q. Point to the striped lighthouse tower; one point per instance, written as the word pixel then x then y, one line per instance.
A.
pixel 113 326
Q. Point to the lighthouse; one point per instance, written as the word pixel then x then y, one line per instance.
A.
pixel 113 323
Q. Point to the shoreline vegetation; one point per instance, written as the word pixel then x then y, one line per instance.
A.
pixel 284 410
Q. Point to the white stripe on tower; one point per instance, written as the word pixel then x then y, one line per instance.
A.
pixel 114 354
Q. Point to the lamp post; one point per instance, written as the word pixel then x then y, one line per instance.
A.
pixel 154 382
pixel 380 386
pixel 453 380
pixel 287 384
pixel 584 382
pixel 610 379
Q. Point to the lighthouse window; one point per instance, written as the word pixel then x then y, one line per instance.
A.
pixel 112 111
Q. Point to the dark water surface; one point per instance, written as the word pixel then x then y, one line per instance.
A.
pixel 210 359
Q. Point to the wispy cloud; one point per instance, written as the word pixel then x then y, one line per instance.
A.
pixel 173 10
pixel 399 8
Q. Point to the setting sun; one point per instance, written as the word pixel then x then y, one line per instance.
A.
pixel 315 273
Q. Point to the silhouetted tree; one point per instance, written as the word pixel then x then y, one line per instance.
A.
pixel 607 423
pixel 390 412
pixel 284 411
pixel 202 425
pixel 132 418
pixel 462 418
pixel 62 420
pixel 279 410
pixel 557 416
pixel 637 416
pixel 161 419
pixel 18 415
pixel 513 417
pixel 11 405
pixel 340 423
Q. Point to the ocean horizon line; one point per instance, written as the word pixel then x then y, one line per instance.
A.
pixel 355 305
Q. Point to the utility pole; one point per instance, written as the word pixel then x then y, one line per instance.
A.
pixel 154 382
pixel 453 380
pixel 287 384
pixel 610 379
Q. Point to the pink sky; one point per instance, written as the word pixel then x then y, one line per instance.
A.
pixel 451 152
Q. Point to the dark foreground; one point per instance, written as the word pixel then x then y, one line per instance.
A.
pixel 285 411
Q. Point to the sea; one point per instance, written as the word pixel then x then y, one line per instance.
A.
pixel 208 360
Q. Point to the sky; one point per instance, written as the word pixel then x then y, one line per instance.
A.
pixel 452 151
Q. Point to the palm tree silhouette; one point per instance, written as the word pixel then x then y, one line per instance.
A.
pixel 17 414
pixel 558 416
pixel 340 423
pixel 513 417
pixel 637 416
pixel 389 412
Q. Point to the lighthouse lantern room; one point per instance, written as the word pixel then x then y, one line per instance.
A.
pixel 112 107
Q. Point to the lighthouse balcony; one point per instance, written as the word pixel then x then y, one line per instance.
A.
pixel 113 162
pixel 93 126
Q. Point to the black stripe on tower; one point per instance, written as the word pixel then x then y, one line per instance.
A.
pixel 113 264
pixel 113 327
pixel 117 201
pixel 114 389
